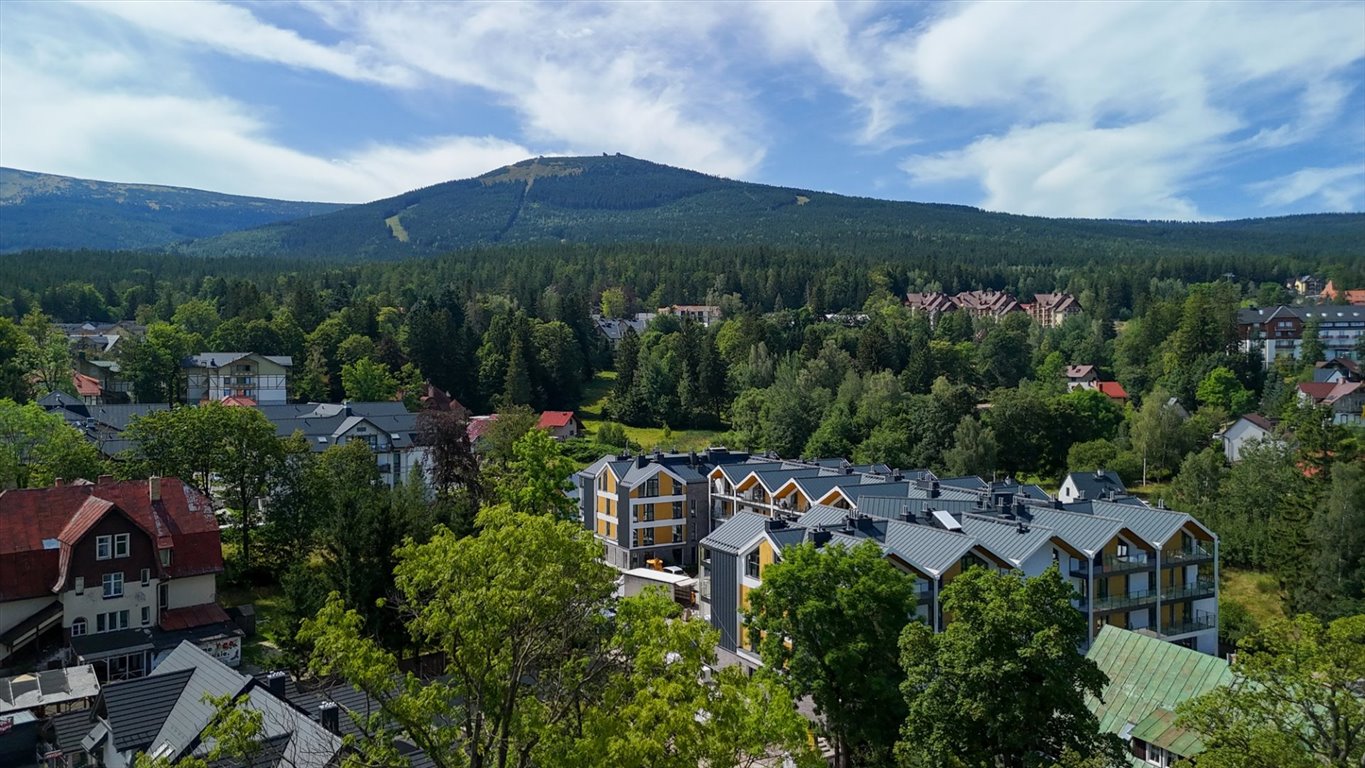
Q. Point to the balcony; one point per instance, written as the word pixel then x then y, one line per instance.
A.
pixel 1112 565
pixel 1199 621
pixel 1186 555
pixel 1189 591
pixel 1126 602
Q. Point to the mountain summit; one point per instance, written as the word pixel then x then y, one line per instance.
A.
pixel 619 199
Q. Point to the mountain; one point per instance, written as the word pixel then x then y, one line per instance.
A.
pixel 621 200
pixel 39 210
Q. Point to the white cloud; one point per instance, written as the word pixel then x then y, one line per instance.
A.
pixel 1330 189
pixel 236 31
pixel 1114 109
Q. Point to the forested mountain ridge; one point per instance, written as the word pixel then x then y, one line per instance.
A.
pixel 619 199
pixel 40 210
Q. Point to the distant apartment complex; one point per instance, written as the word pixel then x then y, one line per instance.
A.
pixel 1047 309
pixel 1274 333
pixel 262 379
pixel 702 313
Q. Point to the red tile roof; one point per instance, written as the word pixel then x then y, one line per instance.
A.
pixel 1113 389
pixel 478 425
pixel 1328 392
pixel 239 400
pixel 34 520
pixel 86 386
pixel 555 419
pixel 193 616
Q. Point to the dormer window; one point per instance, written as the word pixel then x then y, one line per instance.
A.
pixel 104 547
pixel 121 544
pixel 166 558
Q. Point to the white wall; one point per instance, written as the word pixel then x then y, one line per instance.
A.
pixel 15 611
pixel 92 602
pixel 191 590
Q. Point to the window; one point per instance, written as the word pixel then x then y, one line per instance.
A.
pixel 104 547
pixel 121 545
pixel 78 628
pixel 146 615
pixel 370 440
pixel 111 622
pixel 751 565
pixel 677 534
pixel 652 486
pixel 646 513
pixel 166 558
pixel 113 585
pixel 1122 550
pixel 602 481
pixel 80 585
pixel 647 537
pixel 146 576
pixel 677 510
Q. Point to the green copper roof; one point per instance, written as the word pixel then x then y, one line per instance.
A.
pixel 1146 675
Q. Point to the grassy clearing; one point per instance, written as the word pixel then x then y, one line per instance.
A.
pixel 595 396
pixel 396 228
pixel 1257 591
pixel 1151 492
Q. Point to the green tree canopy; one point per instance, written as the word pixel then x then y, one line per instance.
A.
pixel 37 447
pixel 1003 684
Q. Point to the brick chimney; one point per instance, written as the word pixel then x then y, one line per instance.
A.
pixel 154 488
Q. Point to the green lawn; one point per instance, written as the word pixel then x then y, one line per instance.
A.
pixel 595 396
pixel 1256 591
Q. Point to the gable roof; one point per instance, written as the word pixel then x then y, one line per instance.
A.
pixel 736 533
pixel 556 419
pixel 1112 389
pixel 137 709
pixel 1266 424
pixel 86 386
pixel 1095 484
pixel 190 713
pixel 1079 371
pixel 33 519
pixel 1146 674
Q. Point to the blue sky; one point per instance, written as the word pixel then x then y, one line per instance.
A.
pixel 1120 109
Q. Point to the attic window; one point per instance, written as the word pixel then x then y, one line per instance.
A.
pixel 51 544
pixel 322 439
pixel 166 557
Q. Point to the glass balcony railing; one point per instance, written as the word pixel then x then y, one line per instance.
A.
pixel 1126 601
pixel 1188 590
pixel 1186 555
pixel 1198 621
pixel 1110 565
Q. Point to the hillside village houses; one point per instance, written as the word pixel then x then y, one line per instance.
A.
pixel 1135 566
pixel 1046 309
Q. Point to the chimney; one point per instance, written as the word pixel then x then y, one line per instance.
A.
pixel 820 537
pixel 640 461
pixel 274 682
pixel 906 514
pixel 154 488
pixel 848 470
pixel 58 482
pixel 330 717
pixel 933 489
pixel 105 479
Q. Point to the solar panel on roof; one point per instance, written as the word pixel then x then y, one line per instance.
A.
pixel 946 520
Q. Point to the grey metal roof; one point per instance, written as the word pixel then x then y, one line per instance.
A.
pixel 138 708
pixel 1097 483
pixel 735 533
pixel 821 515
pixel 1086 533
pixel 931 550
pixel 300 741
pixel 1154 525
pixel 191 714
pixel 738 471
pixel 1318 311
pixel 968 482
pixel 69 728
pixel 787 537
pixel 773 478
pixel 1005 538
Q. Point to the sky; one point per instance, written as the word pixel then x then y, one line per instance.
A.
pixel 1151 110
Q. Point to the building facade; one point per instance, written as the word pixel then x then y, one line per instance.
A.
pixel 262 379
pixel 111 573
pixel 1274 333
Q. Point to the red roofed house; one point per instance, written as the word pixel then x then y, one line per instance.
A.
pixel 88 388
pixel 561 425
pixel 1346 398
pixel 125 570
pixel 1113 389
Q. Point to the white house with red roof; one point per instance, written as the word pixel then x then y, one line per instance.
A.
pixel 561 425
pixel 113 573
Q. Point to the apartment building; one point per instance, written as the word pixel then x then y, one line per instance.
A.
pixel 701 313
pixel 1051 309
pixel 1133 566
pixel 1273 333
pixel 112 574
pixel 1047 309
pixel 262 379
pixel 650 507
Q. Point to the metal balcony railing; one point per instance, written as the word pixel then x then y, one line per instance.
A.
pixel 1199 621
pixel 1194 589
